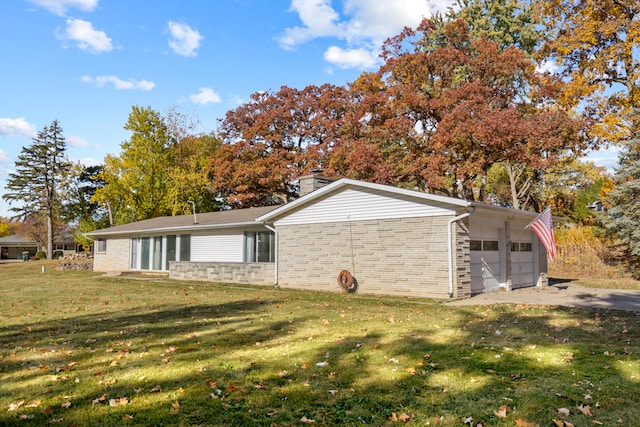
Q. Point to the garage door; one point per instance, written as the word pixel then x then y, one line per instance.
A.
pixel 485 260
pixel 521 264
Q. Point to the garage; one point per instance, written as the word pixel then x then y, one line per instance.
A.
pixel 486 250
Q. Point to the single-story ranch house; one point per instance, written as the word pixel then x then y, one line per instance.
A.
pixel 339 234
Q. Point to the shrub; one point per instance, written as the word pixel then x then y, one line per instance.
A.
pixel 58 254
pixel 582 249
pixel 41 255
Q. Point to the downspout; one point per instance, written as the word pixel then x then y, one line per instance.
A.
pixel 275 255
pixel 450 244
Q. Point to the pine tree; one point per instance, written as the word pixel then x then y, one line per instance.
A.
pixel 625 198
pixel 35 184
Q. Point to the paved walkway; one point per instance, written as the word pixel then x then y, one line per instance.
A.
pixel 562 294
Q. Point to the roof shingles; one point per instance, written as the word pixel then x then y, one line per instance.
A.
pixel 186 222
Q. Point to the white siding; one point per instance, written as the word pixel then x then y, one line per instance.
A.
pixel 220 247
pixel 360 205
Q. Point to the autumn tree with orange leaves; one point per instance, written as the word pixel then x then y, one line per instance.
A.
pixel 274 139
pixel 454 106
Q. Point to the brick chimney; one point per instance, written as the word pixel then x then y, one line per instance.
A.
pixel 314 181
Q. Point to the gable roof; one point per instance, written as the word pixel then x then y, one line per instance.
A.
pixel 206 220
pixel 345 183
pixel 17 240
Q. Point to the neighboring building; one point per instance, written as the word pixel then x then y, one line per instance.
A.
pixel 12 247
pixel 391 241
pixel 596 206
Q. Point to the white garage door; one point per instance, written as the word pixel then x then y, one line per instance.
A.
pixel 521 264
pixel 485 260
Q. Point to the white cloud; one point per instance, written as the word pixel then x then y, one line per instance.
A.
pixel 363 26
pixel 87 161
pixel 3 157
pixel 17 127
pixel 59 7
pixel 77 141
pixel 351 58
pixel 184 40
pixel 205 96
pixel 319 19
pixel 378 20
pixel 606 157
pixel 86 37
pixel 118 83
pixel 548 66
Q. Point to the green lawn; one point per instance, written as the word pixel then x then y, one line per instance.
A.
pixel 80 349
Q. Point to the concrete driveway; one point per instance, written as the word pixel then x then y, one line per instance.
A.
pixel 561 294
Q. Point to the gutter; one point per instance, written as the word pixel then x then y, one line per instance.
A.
pixel 142 232
pixel 275 255
pixel 450 244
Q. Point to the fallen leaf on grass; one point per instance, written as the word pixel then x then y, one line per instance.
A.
pixel 15 406
pixel 119 402
pixel 175 408
pixel 98 400
pixel 502 412
pixel 404 418
pixel 306 420
pixel 127 417
pixel 561 423
pixel 586 410
pixel 34 404
pixel 66 404
pixel 411 370
pixel 522 423
pixel 564 411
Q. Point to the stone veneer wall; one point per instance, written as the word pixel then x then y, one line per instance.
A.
pixel 116 258
pixel 391 257
pixel 257 273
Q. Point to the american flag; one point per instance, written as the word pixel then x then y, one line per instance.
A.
pixel 543 227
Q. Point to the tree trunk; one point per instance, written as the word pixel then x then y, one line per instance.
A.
pixel 50 235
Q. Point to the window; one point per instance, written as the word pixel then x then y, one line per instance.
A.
pixel 101 245
pixel 185 247
pixel 157 253
pixel 144 253
pixel 259 246
pixel 135 249
pixel 521 247
pixel 171 250
pixel 484 245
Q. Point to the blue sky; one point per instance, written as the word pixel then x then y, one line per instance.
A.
pixel 87 62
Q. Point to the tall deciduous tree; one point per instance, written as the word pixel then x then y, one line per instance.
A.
pixel 595 44
pixel 192 174
pixel 87 215
pixel 505 22
pixel 275 138
pixel 136 182
pixel 457 107
pixel 35 185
